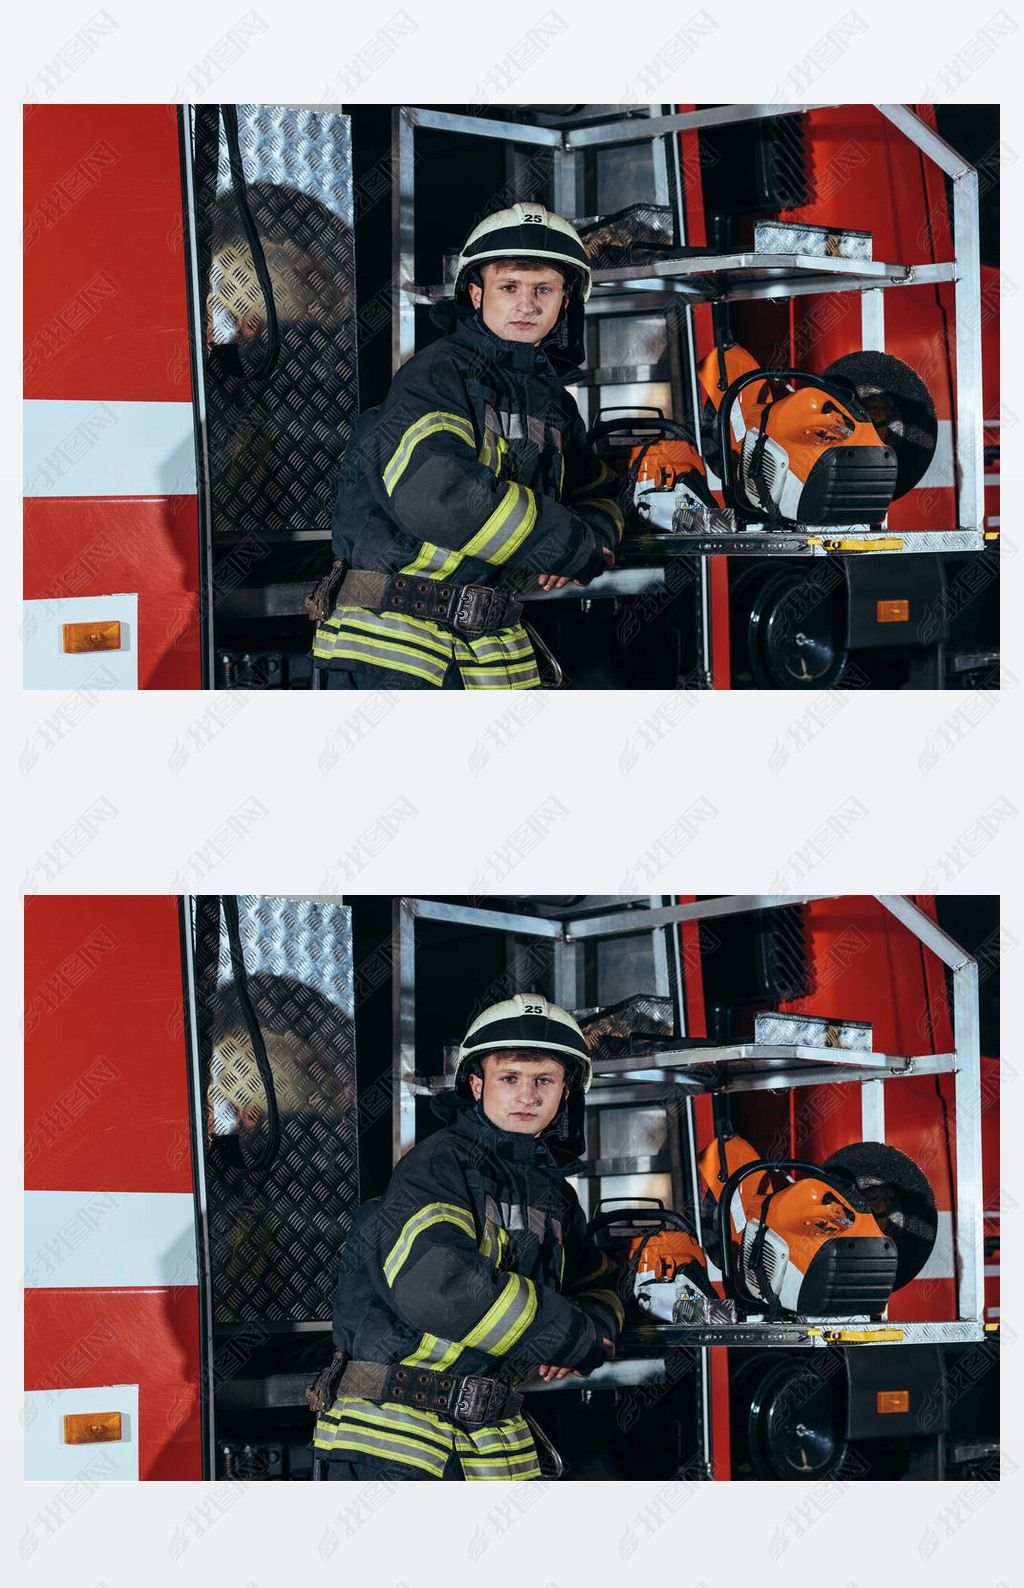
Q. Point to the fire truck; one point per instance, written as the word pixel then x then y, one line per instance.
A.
pixel 214 1084
pixel 212 294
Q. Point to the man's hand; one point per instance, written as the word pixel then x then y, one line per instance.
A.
pixel 554 581
pixel 548 1373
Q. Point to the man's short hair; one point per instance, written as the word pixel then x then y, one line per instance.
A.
pixel 531 1055
pixel 516 263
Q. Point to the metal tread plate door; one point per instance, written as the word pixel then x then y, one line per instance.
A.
pixel 275 443
pixel 275 1234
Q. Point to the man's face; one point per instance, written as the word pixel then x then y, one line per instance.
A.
pixel 520 304
pixel 521 1092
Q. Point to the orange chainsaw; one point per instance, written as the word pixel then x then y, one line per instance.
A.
pixel 832 1243
pixel 663 1269
pixel 659 463
pixel 795 447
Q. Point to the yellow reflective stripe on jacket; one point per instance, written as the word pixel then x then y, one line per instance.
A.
pixel 605 1266
pixel 426 425
pixel 606 505
pixel 355 1429
pixel 608 1298
pixel 588 1284
pixel 494 1242
pixel 507 527
pixel 435 1353
pixel 449 1357
pixel 603 475
pixel 509 1318
pixel 423 1219
pixel 429 1352
pixel 501 532
pixel 583 496
pixel 497 1332
pixel 430 560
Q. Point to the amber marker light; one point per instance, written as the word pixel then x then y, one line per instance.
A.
pixel 92 637
pixel 892 1401
pixel 92 1428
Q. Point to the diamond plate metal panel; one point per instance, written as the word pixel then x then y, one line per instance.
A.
pixel 275 1234
pixel 777 237
pixel 812 1031
pixel 275 443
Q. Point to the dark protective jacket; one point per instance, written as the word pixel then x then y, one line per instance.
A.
pixel 476 470
pixel 476 1260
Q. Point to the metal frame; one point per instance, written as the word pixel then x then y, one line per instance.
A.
pixel 654 1340
pixel 766 276
pixel 964 1062
pixel 805 540
pixel 196 322
pixel 791 272
pixel 805 1066
pixel 197 1113
pixel 407 1083
pixel 744 1066
pixel 567 970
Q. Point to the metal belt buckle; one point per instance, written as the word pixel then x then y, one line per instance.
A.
pixel 472 614
pixel 476 1396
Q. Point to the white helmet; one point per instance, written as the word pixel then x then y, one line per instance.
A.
pixel 525 231
pixel 528 1023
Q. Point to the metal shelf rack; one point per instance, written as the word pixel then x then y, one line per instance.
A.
pixel 745 1066
pixel 741 275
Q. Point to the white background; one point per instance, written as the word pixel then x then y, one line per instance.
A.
pixel 577 793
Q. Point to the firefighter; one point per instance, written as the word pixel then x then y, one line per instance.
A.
pixel 474 1269
pixel 474 477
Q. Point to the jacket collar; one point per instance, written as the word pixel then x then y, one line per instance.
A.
pixel 548 361
pixel 469 1118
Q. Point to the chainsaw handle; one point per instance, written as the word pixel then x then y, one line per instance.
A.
pixel 628 408
pixel 733 390
pixel 655 1201
pixel 665 1218
pixel 601 428
pixel 772 1166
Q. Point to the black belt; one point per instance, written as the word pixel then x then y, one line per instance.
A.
pixel 471 609
pixel 465 1399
